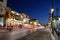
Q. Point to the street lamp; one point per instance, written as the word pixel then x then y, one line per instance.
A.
pixel 52 10
pixel 52 15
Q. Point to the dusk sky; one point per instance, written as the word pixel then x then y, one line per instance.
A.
pixel 36 9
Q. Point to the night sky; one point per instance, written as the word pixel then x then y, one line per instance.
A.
pixel 36 9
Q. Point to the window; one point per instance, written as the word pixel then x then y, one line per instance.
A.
pixel 1 0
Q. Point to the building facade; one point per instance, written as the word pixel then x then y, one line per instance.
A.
pixel 3 4
pixel 13 18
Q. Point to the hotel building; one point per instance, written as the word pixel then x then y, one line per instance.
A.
pixel 3 4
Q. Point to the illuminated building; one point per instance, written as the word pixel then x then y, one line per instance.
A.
pixel 3 4
pixel 25 18
pixel 34 22
pixel 13 18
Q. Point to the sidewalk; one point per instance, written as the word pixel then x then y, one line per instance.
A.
pixel 54 37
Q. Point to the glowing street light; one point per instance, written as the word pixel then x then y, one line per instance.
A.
pixel 52 10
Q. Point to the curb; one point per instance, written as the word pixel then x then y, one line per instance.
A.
pixel 52 36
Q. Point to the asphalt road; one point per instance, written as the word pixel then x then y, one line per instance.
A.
pixel 41 34
pixel 12 35
pixel 38 35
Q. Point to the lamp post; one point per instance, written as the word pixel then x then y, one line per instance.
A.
pixel 52 15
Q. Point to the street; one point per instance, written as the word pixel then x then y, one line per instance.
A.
pixel 13 35
pixel 29 20
pixel 39 35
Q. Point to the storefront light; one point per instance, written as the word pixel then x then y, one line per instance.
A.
pixel 17 14
pixel 24 20
pixel 35 23
pixel 21 16
pixel 39 24
pixel 12 11
pixel 31 22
